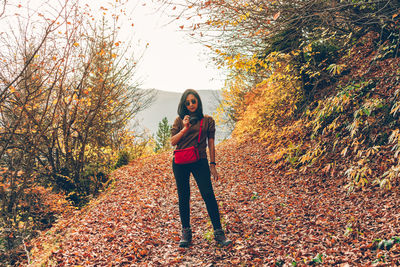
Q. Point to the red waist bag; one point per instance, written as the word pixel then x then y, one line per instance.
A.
pixel 190 154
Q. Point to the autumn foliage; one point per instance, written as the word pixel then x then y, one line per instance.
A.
pixel 66 97
pixel 272 102
pixel 275 218
pixel 316 81
pixel 311 176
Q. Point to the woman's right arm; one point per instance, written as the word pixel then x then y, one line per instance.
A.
pixel 177 137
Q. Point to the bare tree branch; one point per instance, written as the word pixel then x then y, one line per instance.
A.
pixel 3 10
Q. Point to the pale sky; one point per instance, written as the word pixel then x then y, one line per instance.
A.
pixel 172 61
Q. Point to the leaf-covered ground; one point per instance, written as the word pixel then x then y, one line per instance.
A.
pixel 274 216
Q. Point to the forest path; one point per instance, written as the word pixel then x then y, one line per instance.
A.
pixel 274 216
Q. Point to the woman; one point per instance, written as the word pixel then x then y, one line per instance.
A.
pixel 185 132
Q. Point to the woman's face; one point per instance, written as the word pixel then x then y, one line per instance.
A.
pixel 191 103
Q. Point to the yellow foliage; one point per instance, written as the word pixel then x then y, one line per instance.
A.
pixel 271 103
pixel 358 175
pixel 232 99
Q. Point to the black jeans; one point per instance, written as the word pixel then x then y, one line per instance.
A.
pixel 201 173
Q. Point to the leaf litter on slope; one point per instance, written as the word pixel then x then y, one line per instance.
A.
pixel 274 215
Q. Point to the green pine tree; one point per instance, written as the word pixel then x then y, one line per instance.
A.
pixel 163 136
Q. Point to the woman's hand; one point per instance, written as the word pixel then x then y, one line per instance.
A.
pixel 214 172
pixel 211 148
pixel 186 123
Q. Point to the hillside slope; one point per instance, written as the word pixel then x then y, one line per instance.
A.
pixel 273 215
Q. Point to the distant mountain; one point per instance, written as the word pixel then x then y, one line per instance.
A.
pixel 166 105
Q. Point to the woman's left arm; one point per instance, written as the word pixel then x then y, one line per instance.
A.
pixel 211 147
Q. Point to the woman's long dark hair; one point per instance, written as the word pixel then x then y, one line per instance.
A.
pixel 183 111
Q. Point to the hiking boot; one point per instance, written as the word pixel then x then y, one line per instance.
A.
pixel 186 238
pixel 219 236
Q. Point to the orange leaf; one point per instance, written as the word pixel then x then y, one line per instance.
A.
pixel 276 16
